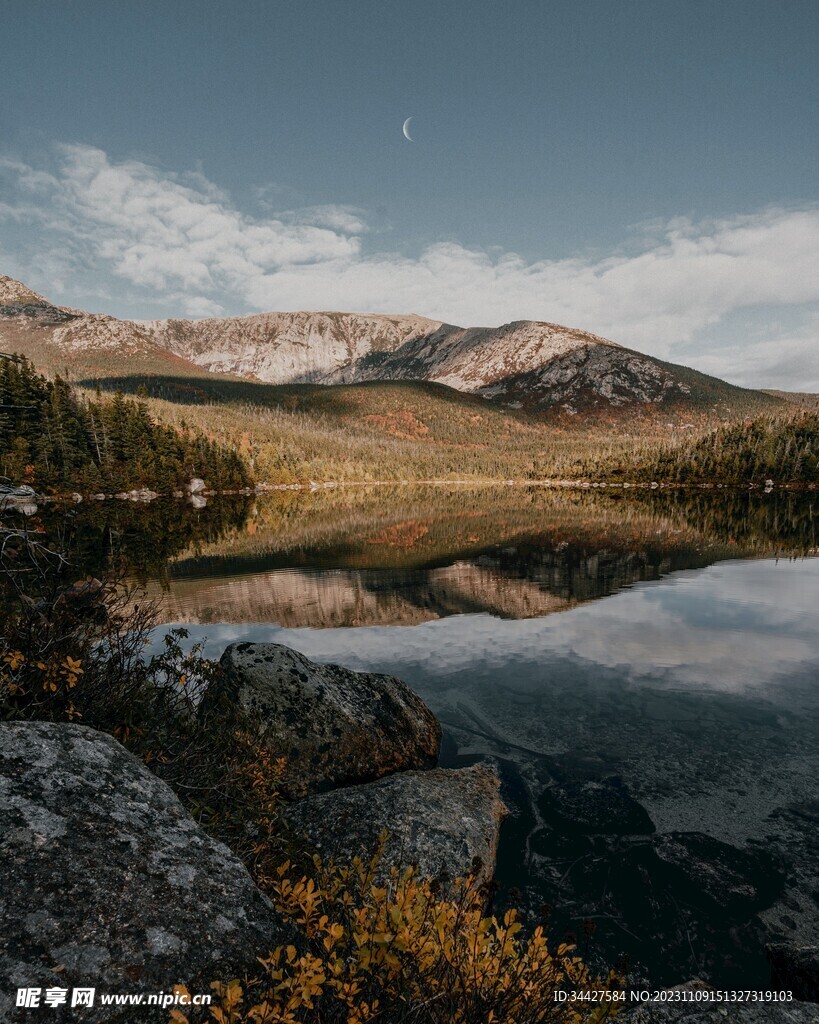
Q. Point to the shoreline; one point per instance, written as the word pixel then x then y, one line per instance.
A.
pixel 145 494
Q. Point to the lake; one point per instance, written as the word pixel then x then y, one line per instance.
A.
pixel 642 670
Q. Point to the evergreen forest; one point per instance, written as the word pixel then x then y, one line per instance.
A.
pixel 53 438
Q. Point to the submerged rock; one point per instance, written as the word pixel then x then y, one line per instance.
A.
pixel 107 878
pixel 439 820
pixel 795 968
pixel 333 726
pixel 718 876
pixel 595 807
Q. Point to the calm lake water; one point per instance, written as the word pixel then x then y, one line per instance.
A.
pixel 642 671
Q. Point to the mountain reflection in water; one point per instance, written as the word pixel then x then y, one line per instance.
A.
pixel 657 739
pixel 353 559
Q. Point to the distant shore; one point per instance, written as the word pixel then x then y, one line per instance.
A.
pixel 148 495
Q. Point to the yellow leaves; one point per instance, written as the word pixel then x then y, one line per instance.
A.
pixel 334 933
pixel 377 947
pixel 13 660
pixel 12 665
pixel 52 675
pixel 230 996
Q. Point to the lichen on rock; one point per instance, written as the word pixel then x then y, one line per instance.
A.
pixel 332 726
pixel 108 879
pixel 444 821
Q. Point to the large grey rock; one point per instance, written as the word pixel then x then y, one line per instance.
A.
pixel 106 875
pixel 795 968
pixel 439 820
pixel 333 726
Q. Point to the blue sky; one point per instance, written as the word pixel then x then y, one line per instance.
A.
pixel 645 169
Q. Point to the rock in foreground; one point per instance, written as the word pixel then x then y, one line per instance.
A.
pixel 333 726
pixel 440 820
pixel 106 874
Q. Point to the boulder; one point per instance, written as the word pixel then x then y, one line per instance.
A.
pixel 107 880
pixel 196 485
pixel 334 727
pixel 439 820
pixel 795 968
pixel 595 807
pixel 718 876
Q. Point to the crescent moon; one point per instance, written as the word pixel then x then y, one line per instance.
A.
pixel 406 129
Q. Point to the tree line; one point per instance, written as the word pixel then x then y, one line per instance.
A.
pixel 783 450
pixel 51 437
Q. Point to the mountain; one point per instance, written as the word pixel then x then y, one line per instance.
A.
pixel 76 343
pixel 534 366
pixel 802 399
pixel 526 364
pixel 289 348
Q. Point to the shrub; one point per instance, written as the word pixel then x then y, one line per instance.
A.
pixel 406 951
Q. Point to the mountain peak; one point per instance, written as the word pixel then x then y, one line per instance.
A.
pixel 13 292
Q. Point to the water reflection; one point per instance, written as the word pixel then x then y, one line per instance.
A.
pixel 353 559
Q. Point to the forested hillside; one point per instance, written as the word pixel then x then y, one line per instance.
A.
pixel 767 448
pixel 50 437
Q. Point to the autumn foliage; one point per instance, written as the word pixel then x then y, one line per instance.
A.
pixel 403 950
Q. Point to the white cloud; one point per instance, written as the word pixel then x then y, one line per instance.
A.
pixel 166 235
pixel 790 361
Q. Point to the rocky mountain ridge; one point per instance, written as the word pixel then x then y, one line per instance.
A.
pixel 522 364
pixel 534 365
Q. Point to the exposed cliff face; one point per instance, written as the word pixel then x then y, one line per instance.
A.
pixel 590 374
pixel 72 330
pixel 21 304
pixel 477 358
pixel 14 292
pixel 525 364
pixel 283 348
pixel 522 363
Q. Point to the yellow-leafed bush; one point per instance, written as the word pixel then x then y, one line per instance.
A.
pixel 403 951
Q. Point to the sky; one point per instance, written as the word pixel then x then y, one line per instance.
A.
pixel 643 169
